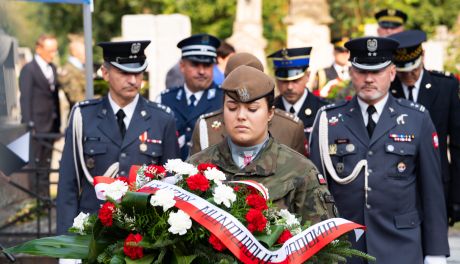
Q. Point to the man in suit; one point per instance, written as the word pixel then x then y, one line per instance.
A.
pixel 291 73
pixel 107 136
pixel 390 21
pixel 199 95
pixel 40 105
pixel 437 92
pixel 381 159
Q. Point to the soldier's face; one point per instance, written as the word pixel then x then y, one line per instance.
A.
pixel 123 86
pixel 198 76
pixel 372 86
pixel 411 77
pixel 341 57
pixel 293 90
pixel 47 50
pixel 383 32
pixel 247 123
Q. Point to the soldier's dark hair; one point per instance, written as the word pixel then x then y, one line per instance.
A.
pixel 224 50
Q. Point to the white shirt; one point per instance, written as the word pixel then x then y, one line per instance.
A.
pixel 378 106
pixel 342 71
pixel 189 93
pixel 415 90
pixel 46 69
pixel 128 109
pixel 297 104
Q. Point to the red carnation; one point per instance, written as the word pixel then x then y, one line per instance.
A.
pixel 216 243
pixel 256 220
pixel 284 236
pixel 236 188
pixel 197 182
pixel 105 213
pixel 123 179
pixel 257 202
pixel 155 171
pixel 130 247
pixel 204 166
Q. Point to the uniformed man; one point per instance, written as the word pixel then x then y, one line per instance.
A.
pixel 72 74
pixel 291 73
pixel 390 21
pixel 284 127
pixel 199 95
pixel 108 135
pixel 381 158
pixel 437 92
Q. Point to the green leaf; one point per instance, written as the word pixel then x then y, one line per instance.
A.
pixel 147 259
pixel 136 200
pixel 117 259
pixel 270 240
pixel 73 247
pixel 181 259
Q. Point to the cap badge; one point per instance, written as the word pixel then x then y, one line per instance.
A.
pixel 243 94
pixel 284 52
pixel 391 12
pixel 135 48
pixel 205 39
pixel 371 45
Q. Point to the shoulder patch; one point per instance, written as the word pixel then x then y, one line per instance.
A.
pixel 211 114
pixel 442 74
pixel 334 105
pixel 411 105
pixel 287 115
pixel 158 106
pixel 89 102
pixel 168 90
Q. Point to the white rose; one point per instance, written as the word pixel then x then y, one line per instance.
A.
pixel 179 222
pixel 224 194
pixel 163 197
pixel 80 221
pixel 179 167
pixel 116 190
pixel 215 175
pixel 288 217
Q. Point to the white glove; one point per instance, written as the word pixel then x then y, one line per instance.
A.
pixel 69 261
pixel 435 260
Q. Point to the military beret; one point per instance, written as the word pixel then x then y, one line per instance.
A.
pixel 200 48
pixel 246 84
pixel 127 56
pixel 290 64
pixel 408 56
pixel 371 53
pixel 390 18
pixel 243 58
pixel 339 44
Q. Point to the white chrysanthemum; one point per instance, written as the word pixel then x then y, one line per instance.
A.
pixel 290 219
pixel 179 222
pixel 80 221
pixel 224 194
pixel 179 167
pixel 163 197
pixel 215 175
pixel 116 190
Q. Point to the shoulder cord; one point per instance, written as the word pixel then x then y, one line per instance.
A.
pixel 326 161
pixel 77 143
pixel 204 140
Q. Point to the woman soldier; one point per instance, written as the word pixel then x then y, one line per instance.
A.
pixel 249 152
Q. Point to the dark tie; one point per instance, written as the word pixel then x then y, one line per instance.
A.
pixel 121 125
pixel 410 97
pixel 370 122
pixel 292 110
pixel 192 102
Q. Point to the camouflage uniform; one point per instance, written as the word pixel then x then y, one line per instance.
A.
pixel 285 128
pixel 72 82
pixel 292 180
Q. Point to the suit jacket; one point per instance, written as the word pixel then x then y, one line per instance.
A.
pixel 405 213
pixel 211 100
pixel 307 112
pixel 440 95
pixel 103 145
pixel 39 104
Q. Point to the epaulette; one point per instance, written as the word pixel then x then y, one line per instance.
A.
pixel 287 115
pixel 211 114
pixel 158 106
pixel 442 74
pixel 334 105
pixel 411 105
pixel 168 90
pixel 89 102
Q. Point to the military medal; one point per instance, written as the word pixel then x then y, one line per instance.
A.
pixel 340 167
pixel 143 139
pixel 402 137
pixel 390 148
pixel 333 121
pixel 90 163
pixel 308 111
pixel 350 147
pixel 401 167
pixel 216 125
pixel 143 147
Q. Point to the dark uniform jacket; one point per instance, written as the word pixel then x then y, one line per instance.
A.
pixel 440 95
pixel 285 128
pixel 291 179
pixel 331 73
pixel 307 112
pixel 103 145
pixel 211 100
pixel 405 213
pixel 39 104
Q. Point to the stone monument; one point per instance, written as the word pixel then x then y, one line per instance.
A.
pixel 165 31
pixel 248 29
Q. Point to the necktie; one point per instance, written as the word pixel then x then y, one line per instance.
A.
pixel 370 122
pixel 247 159
pixel 292 110
pixel 410 97
pixel 121 125
pixel 191 106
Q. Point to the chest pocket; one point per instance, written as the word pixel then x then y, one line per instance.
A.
pixel 402 161
pixel 345 158
pixel 94 148
pixel 152 152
